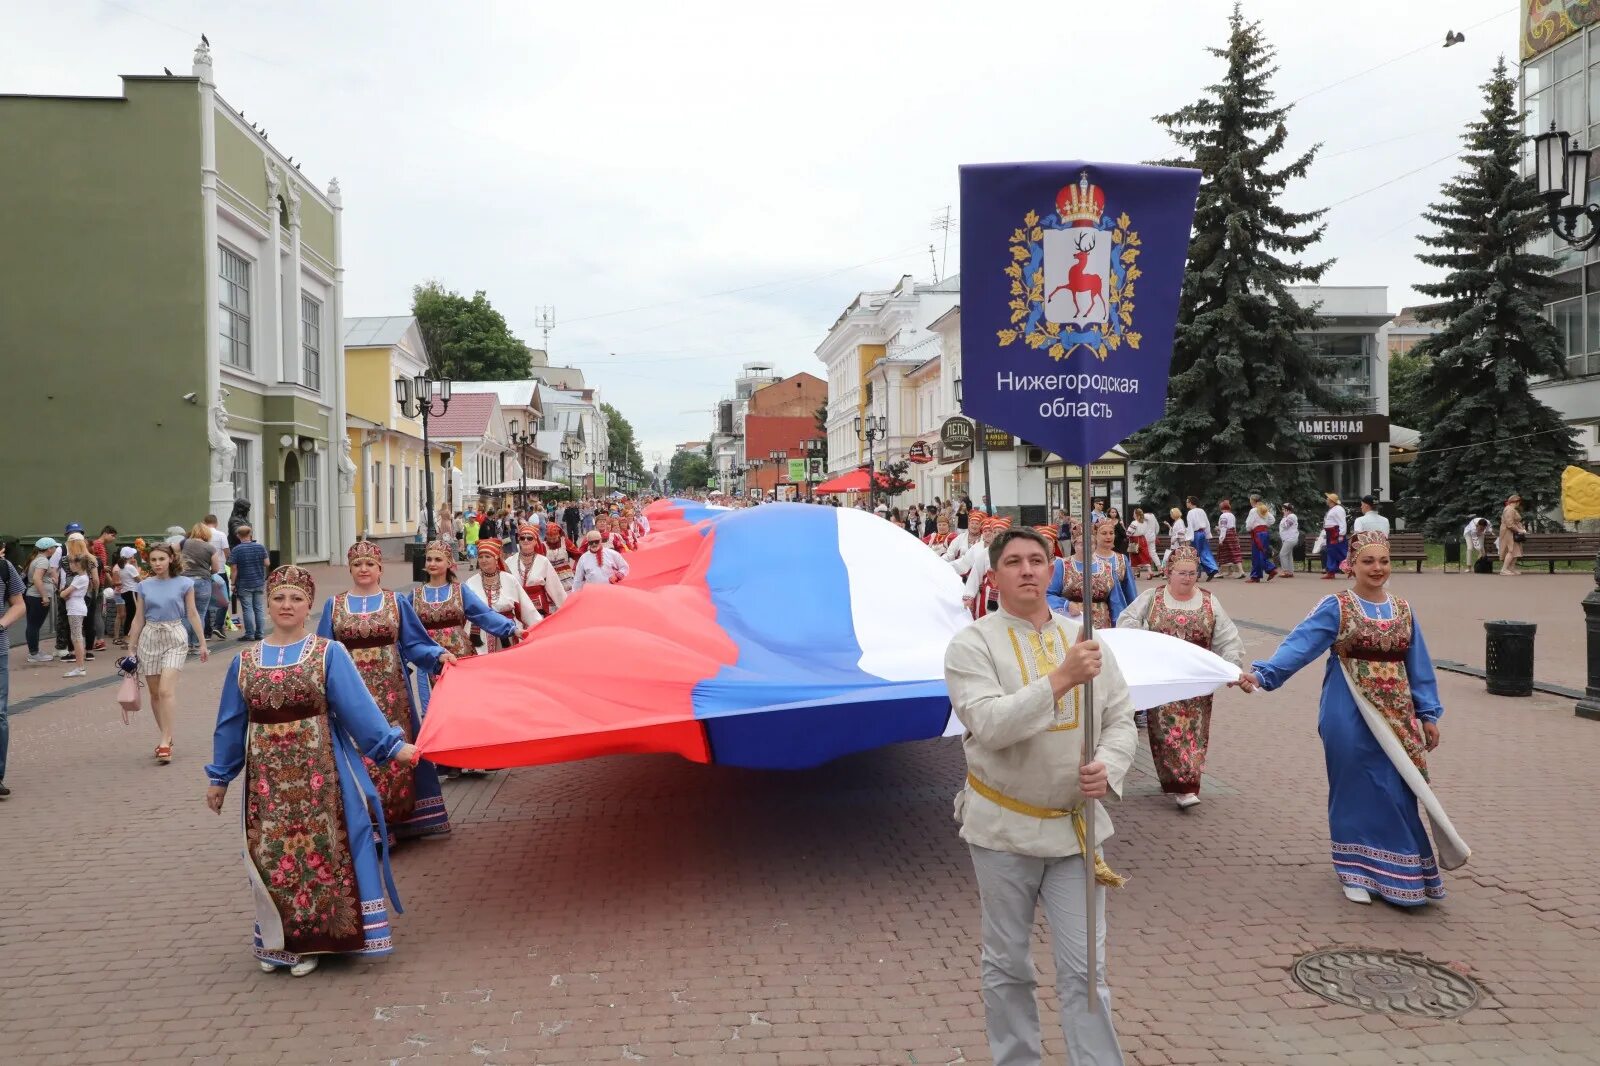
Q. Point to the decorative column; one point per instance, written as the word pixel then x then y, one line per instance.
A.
pixel 1589 706
pixel 334 378
pixel 219 490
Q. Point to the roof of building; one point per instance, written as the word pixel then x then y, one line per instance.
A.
pixel 764 434
pixel 562 377
pixel 511 393
pixel 467 417
pixel 380 332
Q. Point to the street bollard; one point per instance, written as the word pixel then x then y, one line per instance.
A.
pixel 1508 657
pixel 1589 706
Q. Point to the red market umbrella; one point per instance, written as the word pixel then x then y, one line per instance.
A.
pixel 856 481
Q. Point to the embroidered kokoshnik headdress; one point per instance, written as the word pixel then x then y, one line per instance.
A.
pixel 298 576
pixel 1179 554
pixel 364 549
pixel 1367 538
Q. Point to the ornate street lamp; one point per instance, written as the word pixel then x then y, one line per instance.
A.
pixel 417 397
pixel 521 441
pixel 874 429
pixel 983 443
pixel 1561 174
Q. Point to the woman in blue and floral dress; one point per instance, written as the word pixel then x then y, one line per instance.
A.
pixel 295 718
pixel 1379 717
pixel 383 635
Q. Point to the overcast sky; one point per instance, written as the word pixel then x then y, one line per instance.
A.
pixel 631 163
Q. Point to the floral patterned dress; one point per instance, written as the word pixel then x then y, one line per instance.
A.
pixel 383 634
pixel 1180 733
pixel 1378 840
pixel 296 721
pixel 1112 588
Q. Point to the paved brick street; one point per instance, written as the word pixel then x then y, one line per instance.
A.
pixel 641 909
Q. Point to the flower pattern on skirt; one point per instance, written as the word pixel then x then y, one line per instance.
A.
pixel 294 811
pixel 373 640
pixel 1180 732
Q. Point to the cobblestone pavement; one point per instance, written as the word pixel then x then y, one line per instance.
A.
pixel 639 909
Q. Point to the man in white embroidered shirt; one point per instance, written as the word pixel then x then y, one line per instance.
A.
pixel 599 563
pixel 1013 684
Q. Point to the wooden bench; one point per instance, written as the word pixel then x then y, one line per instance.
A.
pixel 1403 548
pixel 1551 548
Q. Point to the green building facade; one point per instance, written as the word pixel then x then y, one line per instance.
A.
pixel 170 304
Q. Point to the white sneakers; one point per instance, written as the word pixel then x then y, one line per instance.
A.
pixel 1357 895
pixel 44 658
pixel 1186 800
pixel 299 969
pixel 77 671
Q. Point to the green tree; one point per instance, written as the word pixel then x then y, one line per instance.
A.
pixel 1485 435
pixel 689 470
pixel 1407 405
pixel 467 339
pixel 894 480
pixel 1240 370
pixel 622 443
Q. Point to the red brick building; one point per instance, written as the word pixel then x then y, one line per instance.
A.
pixel 765 434
pixel 795 396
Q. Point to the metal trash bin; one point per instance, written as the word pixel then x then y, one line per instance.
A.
pixel 419 568
pixel 1452 551
pixel 1508 657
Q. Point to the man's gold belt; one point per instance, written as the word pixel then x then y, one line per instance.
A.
pixel 1102 873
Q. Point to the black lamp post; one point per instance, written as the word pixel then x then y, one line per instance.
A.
pixel 814 446
pixel 521 441
pixel 417 397
pixel 874 429
pixel 569 456
pixel 1561 174
pixel 983 443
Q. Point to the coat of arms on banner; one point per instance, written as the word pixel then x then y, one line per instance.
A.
pixel 1072 276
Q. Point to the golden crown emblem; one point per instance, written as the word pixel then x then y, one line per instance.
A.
pixel 1080 204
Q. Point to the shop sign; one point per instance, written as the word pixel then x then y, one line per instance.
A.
pixel 1347 429
pixel 955 437
pixel 797 470
pixel 997 440
pixel 919 452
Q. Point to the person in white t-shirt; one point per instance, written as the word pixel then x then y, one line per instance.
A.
pixel 76 592
pixel 127 577
pixel 1369 520
pixel 219 616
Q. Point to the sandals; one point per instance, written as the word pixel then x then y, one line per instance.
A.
pixel 163 753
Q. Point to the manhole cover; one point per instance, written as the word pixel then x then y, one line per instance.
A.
pixel 1390 982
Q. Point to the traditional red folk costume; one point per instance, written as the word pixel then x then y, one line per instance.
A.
pixel 536 575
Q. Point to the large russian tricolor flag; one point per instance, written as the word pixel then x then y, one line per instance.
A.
pixel 774 637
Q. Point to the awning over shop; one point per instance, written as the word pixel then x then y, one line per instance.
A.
pixel 1403 444
pixel 854 481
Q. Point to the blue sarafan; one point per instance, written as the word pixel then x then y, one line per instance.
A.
pixel 773 637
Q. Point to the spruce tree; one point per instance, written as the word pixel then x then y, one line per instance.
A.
pixel 1240 372
pixel 1485 435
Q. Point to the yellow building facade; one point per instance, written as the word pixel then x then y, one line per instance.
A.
pixel 387 447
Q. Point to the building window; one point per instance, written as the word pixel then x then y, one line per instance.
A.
pixel 409 498
pixel 307 508
pixel 394 507
pixel 240 475
pixel 377 493
pixel 311 342
pixel 234 309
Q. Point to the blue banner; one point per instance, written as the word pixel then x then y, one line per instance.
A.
pixel 1070 278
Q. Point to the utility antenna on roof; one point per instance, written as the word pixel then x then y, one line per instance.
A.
pixel 942 221
pixel 544 319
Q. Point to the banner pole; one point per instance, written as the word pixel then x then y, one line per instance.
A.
pixel 1091 906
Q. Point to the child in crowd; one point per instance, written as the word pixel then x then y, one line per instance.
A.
pixel 76 591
